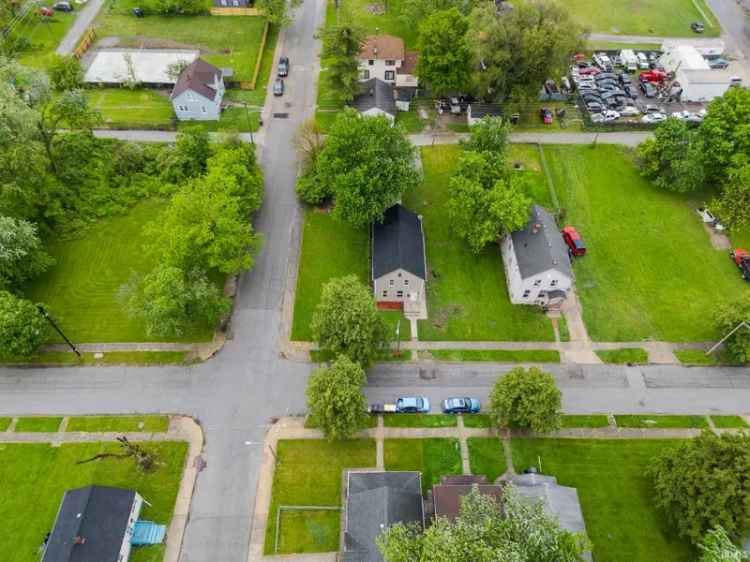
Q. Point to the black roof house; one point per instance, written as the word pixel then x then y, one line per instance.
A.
pixel 374 93
pixel 539 246
pixel 90 525
pixel 374 501
pixel 398 243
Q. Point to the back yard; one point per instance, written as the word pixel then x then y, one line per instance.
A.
pixel 44 35
pixel 80 290
pixel 466 293
pixel 35 476
pixel 651 271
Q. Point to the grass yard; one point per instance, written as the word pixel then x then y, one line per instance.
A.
pixel 634 355
pixel 309 472
pixel 614 45
pixel 696 357
pixel 727 422
pixel 312 422
pixel 530 119
pixel 432 457
pixel 35 476
pixel 477 420
pixel 118 423
pixel 497 355
pixel 65 358
pixel 332 249
pixel 665 422
pixel 420 420
pixel 391 22
pixel 5 423
pixel 80 290
pixel 45 35
pixel 650 271
pixel 616 497
pixel 123 108
pixel 466 293
pixel 486 457
pixel 232 42
pixel 661 18
pixel 38 424
pixel 587 421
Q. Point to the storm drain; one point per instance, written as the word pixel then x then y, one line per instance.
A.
pixel 281 116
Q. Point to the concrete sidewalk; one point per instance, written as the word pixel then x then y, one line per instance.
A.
pixel 627 138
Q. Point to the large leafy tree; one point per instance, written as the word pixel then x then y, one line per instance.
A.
pixel 730 316
pixel 22 255
pixel 517 50
pixel 346 321
pixel 526 399
pixel 489 134
pixel 234 170
pixel 367 165
pixel 65 73
pixel 342 43
pixel 669 159
pixel 704 483
pixel 444 58
pixel 733 205
pixel 486 531
pixel 486 200
pixel 22 328
pixel 277 11
pixel 335 399
pixel 718 547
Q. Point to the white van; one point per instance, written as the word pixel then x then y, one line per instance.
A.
pixel 629 60
pixel 642 61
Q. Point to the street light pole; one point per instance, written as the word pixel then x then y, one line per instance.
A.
pixel 46 315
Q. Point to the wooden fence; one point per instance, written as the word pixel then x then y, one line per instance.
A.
pixel 87 40
pixel 259 61
pixel 219 11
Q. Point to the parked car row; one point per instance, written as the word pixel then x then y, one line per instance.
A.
pixel 606 94
pixel 421 405
pixel 282 71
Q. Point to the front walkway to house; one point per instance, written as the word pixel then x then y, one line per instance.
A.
pixel 181 428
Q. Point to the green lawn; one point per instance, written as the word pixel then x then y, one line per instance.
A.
pixel 729 421
pixel 661 18
pixel 231 42
pixel 109 358
pixel 432 457
pixel 530 119
pixel 420 420
pixel 309 472
pixel 312 423
pixel 497 355
pixel 5 423
pixel 477 420
pixel 466 293
pixel 650 271
pixel 587 421
pixel 696 357
pixel 391 22
pixel 35 476
pixel 331 248
pixel 634 355
pixel 40 424
pixel 80 290
pixel 614 45
pixel 118 423
pixel 45 35
pixel 122 108
pixel 486 457
pixel 659 421
pixel 616 497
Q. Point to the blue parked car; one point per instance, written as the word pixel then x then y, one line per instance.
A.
pixel 413 405
pixel 461 406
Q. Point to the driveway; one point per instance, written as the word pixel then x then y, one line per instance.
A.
pixel 84 19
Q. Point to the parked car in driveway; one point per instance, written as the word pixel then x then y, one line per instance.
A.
pixel 461 406
pixel 283 69
pixel 709 218
pixel 573 241
pixel 611 115
pixel 278 87
pixel 718 64
pixel 741 259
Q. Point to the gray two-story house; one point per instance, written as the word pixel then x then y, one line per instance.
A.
pixel 198 93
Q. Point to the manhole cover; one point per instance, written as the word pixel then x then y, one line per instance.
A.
pixel 281 115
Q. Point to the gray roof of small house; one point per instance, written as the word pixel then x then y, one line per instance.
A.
pixel 199 76
pixel 539 245
pixel 375 93
pixel 561 501
pixel 99 514
pixel 398 243
pixel 374 501
pixel 479 110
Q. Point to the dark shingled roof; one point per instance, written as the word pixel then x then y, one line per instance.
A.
pixel 98 514
pixel 479 110
pixel 198 76
pixel 539 246
pixel 447 495
pixel 397 243
pixel 375 93
pixel 374 501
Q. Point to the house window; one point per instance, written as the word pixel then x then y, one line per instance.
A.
pixel 526 294
pixel 406 282
pixel 553 283
pixel 537 282
pixel 203 108
pixel 364 74
pixel 385 293
pixel 371 62
pixel 399 294
pixel 390 75
pixel 391 282
pixel 390 63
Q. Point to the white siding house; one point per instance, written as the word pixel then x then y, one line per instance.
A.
pixel 537 264
pixel 384 57
pixel 398 258
pixel 198 93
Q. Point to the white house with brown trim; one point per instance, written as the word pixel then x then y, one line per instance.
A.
pixel 384 57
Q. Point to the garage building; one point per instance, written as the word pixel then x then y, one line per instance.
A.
pixel 698 81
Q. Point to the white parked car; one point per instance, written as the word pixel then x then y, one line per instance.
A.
pixel 693 118
pixel 630 110
pixel 653 118
pixel 597 118
pixel 611 115
pixel 708 217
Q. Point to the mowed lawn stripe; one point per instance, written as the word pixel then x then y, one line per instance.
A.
pixel 650 271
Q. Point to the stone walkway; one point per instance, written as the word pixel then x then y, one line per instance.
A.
pixel 181 428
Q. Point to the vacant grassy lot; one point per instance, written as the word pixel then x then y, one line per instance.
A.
pixel 420 420
pixel 497 355
pixel 650 271
pixel 308 472
pixel 466 293
pixel 625 355
pixel 39 424
pixel 658 421
pixel 142 108
pixel 615 495
pixel 35 476
pixel 486 457
pixel 231 42
pixel 80 291
pixel 45 35
pixel 392 22
pixel 729 421
pixel 665 18
pixel 592 421
pixel 432 457
pixel 118 423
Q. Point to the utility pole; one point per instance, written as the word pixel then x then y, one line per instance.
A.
pixel 46 315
